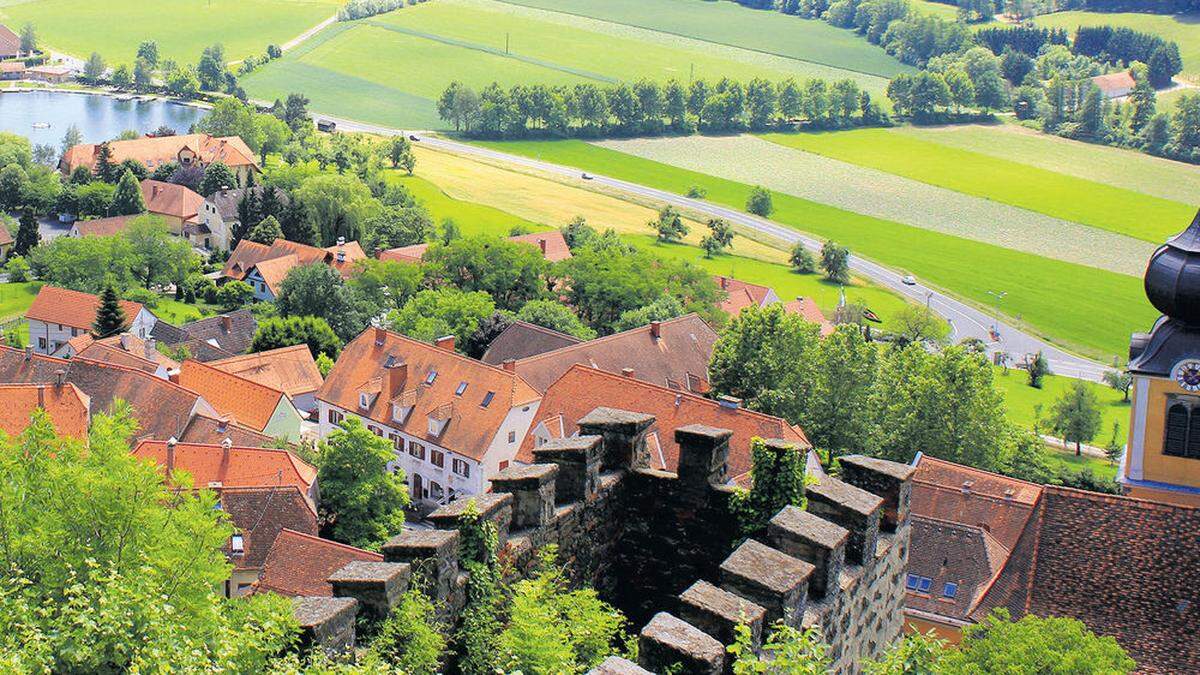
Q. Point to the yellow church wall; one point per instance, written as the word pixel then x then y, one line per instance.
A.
pixel 1155 465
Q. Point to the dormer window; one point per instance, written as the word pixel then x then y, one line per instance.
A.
pixel 364 400
pixel 237 544
pixel 436 426
pixel 401 412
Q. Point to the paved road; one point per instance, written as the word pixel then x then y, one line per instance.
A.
pixel 965 320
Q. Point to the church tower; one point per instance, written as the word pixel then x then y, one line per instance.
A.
pixel 1162 459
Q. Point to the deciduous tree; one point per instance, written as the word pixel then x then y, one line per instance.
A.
pixel 362 502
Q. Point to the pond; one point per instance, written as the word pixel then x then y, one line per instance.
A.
pixel 98 117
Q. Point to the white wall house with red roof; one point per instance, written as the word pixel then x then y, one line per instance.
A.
pixel 453 421
pixel 59 314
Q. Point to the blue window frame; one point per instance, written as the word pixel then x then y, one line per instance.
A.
pixel 950 590
pixel 911 582
pixel 487 399
pixel 923 587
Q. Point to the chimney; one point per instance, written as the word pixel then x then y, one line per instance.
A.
pixel 509 364
pixel 966 486
pixel 226 323
pixel 225 447
pixel 397 373
pixel 126 341
pixel 60 377
pixel 341 241
pixel 150 348
pixel 380 335
pixel 656 329
pixel 730 402
pixel 42 396
pixel 627 372
pixel 29 353
pixel 171 455
pixel 445 342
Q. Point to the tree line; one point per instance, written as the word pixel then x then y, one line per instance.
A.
pixel 649 108
pixel 361 9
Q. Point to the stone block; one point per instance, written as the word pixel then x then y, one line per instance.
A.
pixel 615 665
pixel 326 623
pixel 770 578
pixel 718 612
pixel 668 640
pixel 376 585
pixel 578 459
pixel 532 488
pixel 890 480
pixel 703 455
pixel 497 508
pixel 803 535
pixel 852 508
pixel 431 554
pixel 624 436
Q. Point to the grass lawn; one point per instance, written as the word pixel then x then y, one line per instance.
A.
pixel 1022 399
pixel 182 28
pixel 938 9
pixel 176 312
pixel 472 218
pixel 15 298
pixel 1101 467
pixel 1090 310
pixel 1183 29
pixel 391 68
pixel 1115 209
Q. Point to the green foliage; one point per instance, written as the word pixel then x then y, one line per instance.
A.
pixel 510 272
pixel 555 316
pixel 432 314
pixel 17 269
pixel 362 503
pixel 313 331
pixel 1076 415
pixel 266 231
pixel 1039 368
pixel 786 651
pixel 917 323
pixel 1119 380
pixel 914 654
pixel 158 257
pixel 217 176
pixel 85 263
pixel 384 284
pixel 318 290
pixel 838 414
pixel 1034 645
pixel 410 638
pixel 478 636
pixel 338 206
pixel 662 309
pixel 778 481
pixel 127 199
pixel 324 364
pixel 669 225
pixel 77 598
pixel 28 235
pixel 835 262
pixel 760 202
pixel 233 294
pixel 110 317
pixel 802 259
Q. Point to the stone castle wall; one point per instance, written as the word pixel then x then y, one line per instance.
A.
pixel 658 546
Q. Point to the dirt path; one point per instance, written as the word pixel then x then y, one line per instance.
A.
pixel 299 39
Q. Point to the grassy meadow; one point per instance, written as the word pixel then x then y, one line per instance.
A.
pixel 391 68
pixel 1090 310
pixel 1184 29
pixel 1022 401
pixel 182 28
pixel 15 298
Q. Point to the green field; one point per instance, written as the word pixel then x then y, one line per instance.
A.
pixel 1090 310
pixel 177 313
pixel 182 28
pixel 1021 400
pixel 938 9
pixel 1183 29
pixel 471 218
pixel 390 69
pixel 1075 199
pixel 1102 468
pixel 15 298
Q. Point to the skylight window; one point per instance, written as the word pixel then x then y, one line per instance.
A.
pixel 462 386
pixel 237 544
pixel 487 399
pixel 923 587
pixel 431 377
pixel 920 584
pixel 950 590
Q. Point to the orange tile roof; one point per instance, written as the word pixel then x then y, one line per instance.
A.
pixel 245 256
pixel 103 227
pixel 471 426
pixel 124 349
pixel 240 467
pixel 405 254
pixel 72 308
pixel 808 310
pixel 247 402
pixel 10 43
pixel 68 408
pixel 961 494
pixel 344 256
pixel 291 370
pixel 169 199
pixel 299 564
pixel 275 270
pixel 210 430
pixel 1113 82
pixel 677 358
pixel 275 261
pixel 230 150
pixel 742 294
pixel 259 514
pixel 552 244
pixel 584 389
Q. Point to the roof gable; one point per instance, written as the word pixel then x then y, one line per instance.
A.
pixel 169 199
pixel 259 514
pixel 245 401
pixel 521 340
pixel 299 564
pixel 67 407
pixel 291 370
pixel 236 466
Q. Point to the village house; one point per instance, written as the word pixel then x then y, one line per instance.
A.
pixel 452 421
pixel 583 389
pixel 207 430
pixel 265 267
pixel 100 227
pixel 177 205
pixel 291 370
pixel 254 405
pixel 68 408
pixel 10 43
pixel 260 516
pixel 299 564
pixel 212 338
pixel 220 217
pixel 1115 85
pixel 552 245
pixel 12 70
pixel 154 151
pixel 123 349
pixel 50 74
pixel 521 340
pixel 162 408
pixel 58 314
pixel 742 294
pixel 674 353
pixel 226 465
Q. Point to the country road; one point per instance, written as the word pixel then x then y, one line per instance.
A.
pixel 965 320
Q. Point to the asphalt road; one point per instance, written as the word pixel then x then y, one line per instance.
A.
pixel 965 320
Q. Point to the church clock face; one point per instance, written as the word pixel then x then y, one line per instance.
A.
pixel 1187 374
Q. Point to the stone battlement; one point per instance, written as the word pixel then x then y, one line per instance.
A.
pixel 661 547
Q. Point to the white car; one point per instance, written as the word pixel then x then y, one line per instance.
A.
pixel 908 280
pixel 586 176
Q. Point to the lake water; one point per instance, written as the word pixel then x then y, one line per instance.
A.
pixel 99 118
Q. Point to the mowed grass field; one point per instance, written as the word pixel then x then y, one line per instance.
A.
pixel 1090 310
pixel 1023 400
pixel 182 28
pixel 1071 198
pixel 390 69
pixel 1183 29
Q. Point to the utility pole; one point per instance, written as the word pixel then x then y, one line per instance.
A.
pixel 506 44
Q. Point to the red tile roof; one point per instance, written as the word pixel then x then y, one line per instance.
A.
pixel 952 492
pixel 275 261
pixel 521 340
pixel 230 150
pixel 742 294
pixel 808 310
pixel 244 257
pixel 124 349
pixel 552 244
pixel 259 514
pixel 291 370
pixel 247 402
pixel 584 389
pixel 103 227
pixel 677 358
pixel 1113 84
pixel 169 199
pixel 299 564
pixel 203 429
pixel 67 407
pixel 237 467
pixel 10 42
pixel 72 308
pixel 362 368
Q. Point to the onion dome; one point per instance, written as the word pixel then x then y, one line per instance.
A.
pixel 1173 276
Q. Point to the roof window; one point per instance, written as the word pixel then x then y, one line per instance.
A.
pixel 462 386
pixel 949 590
pixel 487 399
pixel 431 377
pixel 237 545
